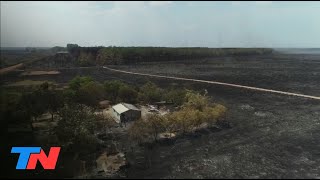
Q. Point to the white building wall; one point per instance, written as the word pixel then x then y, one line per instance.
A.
pixel 116 116
pixel 130 115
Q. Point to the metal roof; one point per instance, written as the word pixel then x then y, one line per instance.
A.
pixel 130 106
pixel 123 107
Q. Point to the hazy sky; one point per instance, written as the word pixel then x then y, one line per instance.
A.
pixel 166 23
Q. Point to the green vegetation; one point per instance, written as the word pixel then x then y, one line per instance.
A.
pixel 11 109
pixel 118 91
pixel 76 126
pixel 75 129
pixel 175 96
pixel 75 119
pixel 84 90
pixel 195 111
pixel 150 93
pixel 27 106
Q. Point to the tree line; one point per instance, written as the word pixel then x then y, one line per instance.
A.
pixel 130 55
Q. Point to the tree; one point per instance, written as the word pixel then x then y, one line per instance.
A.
pixel 77 82
pixel 112 89
pixel 84 90
pixel 127 94
pixel 139 131
pixel 69 96
pixel 32 103
pixel 86 59
pixel 176 96
pixel 150 92
pixel 110 55
pixel 118 91
pixel 75 128
pixel 54 102
pixel 50 99
pixel 12 111
pixel 58 48
pixel 169 123
pixel 186 119
pixel 156 124
pixel 221 112
pixel 90 93
pixel 196 100
pixel 71 47
pixel 196 111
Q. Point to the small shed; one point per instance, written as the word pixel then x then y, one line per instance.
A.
pixel 124 112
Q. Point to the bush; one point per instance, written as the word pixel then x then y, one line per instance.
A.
pixel 150 92
pixel 75 128
pixel 139 131
pixel 90 94
pixel 117 91
pixel 84 90
pixel 79 81
pixel 194 112
pixel 176 96
pixel 196 100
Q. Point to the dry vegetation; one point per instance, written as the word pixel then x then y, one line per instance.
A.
pixel 195 112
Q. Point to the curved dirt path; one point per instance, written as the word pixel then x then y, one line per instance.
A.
pixel 11 68
pixel 219 83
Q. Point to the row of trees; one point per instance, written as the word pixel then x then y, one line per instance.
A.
pixel 85 90
pixel 26 107
pixel 128 55
pixel 195 111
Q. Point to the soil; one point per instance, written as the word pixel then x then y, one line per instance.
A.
pixel 272 136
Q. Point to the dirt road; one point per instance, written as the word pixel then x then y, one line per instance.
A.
pixel 11 68
pixel 219 83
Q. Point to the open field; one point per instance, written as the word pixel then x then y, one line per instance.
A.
pixel 27 83
pixel 35 73
pixel 272 136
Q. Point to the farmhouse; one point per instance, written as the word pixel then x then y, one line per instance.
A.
pixel 124 112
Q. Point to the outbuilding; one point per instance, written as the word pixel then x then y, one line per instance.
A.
pixel 124 112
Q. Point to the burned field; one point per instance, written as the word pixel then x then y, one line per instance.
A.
pixel 272 136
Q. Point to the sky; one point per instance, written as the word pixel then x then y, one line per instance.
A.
pixel 161 23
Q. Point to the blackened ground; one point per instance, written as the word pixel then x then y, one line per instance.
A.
pixel 272 136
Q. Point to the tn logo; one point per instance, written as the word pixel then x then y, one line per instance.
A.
pixel 29 157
